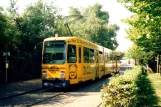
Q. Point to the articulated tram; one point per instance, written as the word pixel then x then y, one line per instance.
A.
pixel 72 60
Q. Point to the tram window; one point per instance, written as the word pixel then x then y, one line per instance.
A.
pixel 91 56
pixel 111 58
pixel 80 55
pixel 54 52
pixel 86 55
pixel 114 58
pixel 106 57
pixel 71 54
pixel 96 56
pixel 101 56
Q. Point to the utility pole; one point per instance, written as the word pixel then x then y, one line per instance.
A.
pixel 157 59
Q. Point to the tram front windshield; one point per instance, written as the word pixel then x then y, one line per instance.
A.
pixel 54 52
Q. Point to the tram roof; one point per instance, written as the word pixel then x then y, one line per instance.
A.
pixel 60 38
pixel 73 37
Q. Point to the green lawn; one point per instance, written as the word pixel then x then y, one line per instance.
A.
pixel 155 81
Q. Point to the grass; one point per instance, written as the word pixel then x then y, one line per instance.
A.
pixel 149 91
pixel 155 81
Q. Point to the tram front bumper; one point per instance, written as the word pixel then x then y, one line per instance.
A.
pixel 55 83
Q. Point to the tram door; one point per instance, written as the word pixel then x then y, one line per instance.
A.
pixel 72 63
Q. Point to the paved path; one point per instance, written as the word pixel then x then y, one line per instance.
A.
pixel 19 88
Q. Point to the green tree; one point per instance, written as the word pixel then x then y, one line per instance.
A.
pixel 8 31
pixel 94 27
pixel 39 21
pixel 3 26
pixel 145 25
pixel 141 57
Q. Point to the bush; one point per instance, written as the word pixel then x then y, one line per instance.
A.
pixel 122 91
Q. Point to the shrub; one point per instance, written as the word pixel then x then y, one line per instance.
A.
pixel 122 91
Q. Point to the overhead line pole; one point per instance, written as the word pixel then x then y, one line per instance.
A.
pixel 66 23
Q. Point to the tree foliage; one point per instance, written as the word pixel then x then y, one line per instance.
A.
pixel 145 30
pixel 145 23
pixel 94 27
pixel 36 23
pixel 3 28
pixel 8 31
pixel 139 55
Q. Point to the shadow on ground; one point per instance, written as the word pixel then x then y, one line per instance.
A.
pixel 146 93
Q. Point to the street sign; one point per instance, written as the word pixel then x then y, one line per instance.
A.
pixel 6 53
pixel 7 65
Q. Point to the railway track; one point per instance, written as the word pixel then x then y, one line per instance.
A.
pixel 29 98
pixel 20 94
pixel 72 96
pixel 61 93
pixel 43 96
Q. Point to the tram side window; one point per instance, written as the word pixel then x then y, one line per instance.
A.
pixel 106 57
pixel 101 57
pixel 111 58
pixel 115 58
pixel 86 55
pixel 96 56
pixel 91 54
pixel 80 55
pixel 71 54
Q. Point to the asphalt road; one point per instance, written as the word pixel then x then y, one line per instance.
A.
pixel 124 68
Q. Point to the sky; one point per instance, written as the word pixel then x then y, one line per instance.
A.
pixel 116 12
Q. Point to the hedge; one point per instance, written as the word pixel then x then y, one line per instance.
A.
pixel 122 91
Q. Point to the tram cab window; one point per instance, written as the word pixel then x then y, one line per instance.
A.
pixel 54 52
pixel 71 57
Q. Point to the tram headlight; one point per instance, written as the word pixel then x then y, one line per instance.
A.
pixel 62 75
pixel 43 75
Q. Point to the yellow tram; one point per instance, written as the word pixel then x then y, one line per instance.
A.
pixel 71 60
